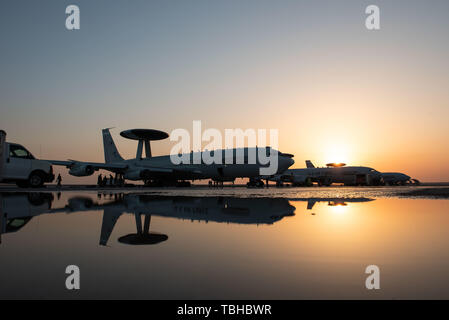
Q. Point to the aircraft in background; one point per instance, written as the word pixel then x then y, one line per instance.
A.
pixel 161 171
pixel 332 173
pixel 397 178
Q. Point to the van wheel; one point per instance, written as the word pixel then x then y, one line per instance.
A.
pixel 36 180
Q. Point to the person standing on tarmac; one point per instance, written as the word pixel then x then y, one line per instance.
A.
pixel 58 181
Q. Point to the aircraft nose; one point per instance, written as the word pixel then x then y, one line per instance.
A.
pixel 290 162
pixel 285 160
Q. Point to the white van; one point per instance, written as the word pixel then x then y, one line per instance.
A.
pixel 18 165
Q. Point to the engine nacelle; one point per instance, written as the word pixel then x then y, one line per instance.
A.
pixel 80 204
pixel 297 180
pixel 137 175
pixel 300 179
pixel 81 170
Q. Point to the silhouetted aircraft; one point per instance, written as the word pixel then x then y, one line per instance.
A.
pixel 397 178
pixel 216 209
pixel 160 170
pixel 332 173
pixel 21 207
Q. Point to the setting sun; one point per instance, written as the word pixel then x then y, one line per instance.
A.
pixel 336 153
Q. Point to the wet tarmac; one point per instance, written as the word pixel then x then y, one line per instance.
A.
pixel 230 243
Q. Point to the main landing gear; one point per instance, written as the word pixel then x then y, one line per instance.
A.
pixel 255 183
pixel 167 183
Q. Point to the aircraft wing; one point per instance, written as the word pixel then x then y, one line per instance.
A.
pixel 159 169
pixel 114 167
pixel 170 169
pixel 95 165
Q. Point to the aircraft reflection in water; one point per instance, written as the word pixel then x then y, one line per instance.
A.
pixel 17 209
pixel 331 201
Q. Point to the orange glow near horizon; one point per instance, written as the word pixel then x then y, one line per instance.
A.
pixel 336 153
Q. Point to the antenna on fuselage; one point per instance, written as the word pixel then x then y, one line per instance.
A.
pixel 144 136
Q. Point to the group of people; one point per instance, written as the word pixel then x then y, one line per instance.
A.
pixel 216 184
pixel 117 181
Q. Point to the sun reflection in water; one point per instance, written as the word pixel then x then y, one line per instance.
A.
pixel 338 207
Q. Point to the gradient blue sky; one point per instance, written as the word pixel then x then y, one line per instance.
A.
pixel 335 90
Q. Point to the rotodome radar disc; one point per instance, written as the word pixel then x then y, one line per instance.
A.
pixel 336 165
pixel 144 134
pixel 143 239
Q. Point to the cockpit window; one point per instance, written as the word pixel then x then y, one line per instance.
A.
pixel 17 151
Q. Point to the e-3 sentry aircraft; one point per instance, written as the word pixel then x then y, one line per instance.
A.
pixel 398 179
pixel 161 170
pixel 332 173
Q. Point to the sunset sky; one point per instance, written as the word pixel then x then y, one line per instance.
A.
pixel 335 90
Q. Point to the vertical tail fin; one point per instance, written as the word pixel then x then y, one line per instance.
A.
pixel 310 204
pixel 110 217
pixel 111 153
pixel 309 164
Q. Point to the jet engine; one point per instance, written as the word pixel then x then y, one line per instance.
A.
pixel 79 204
pixel 81 170
pixel 137 175
pixel 301 180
